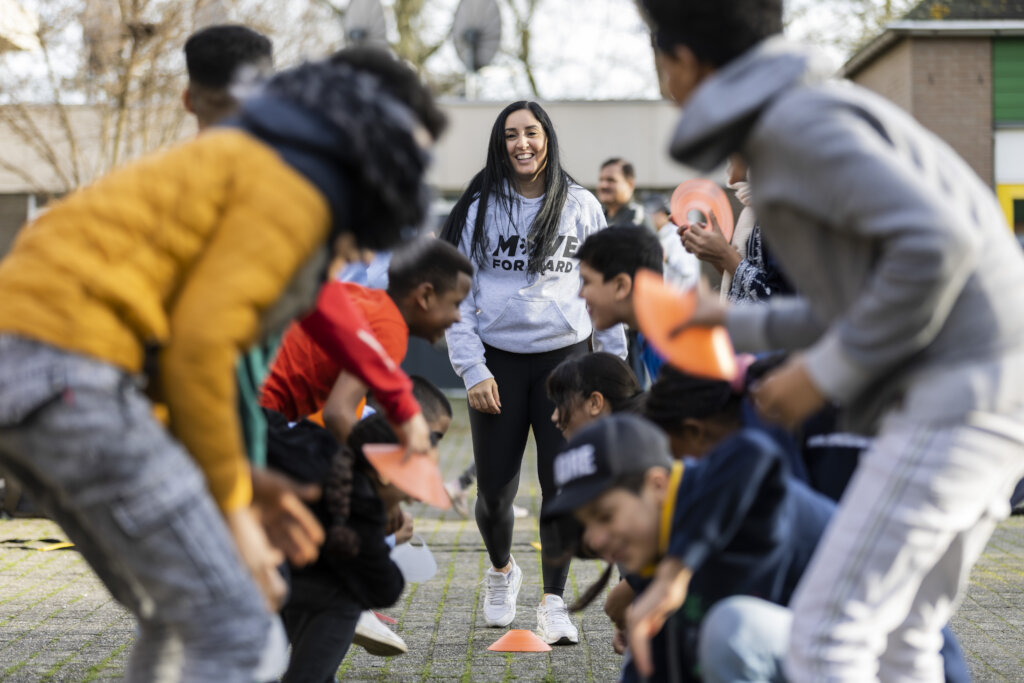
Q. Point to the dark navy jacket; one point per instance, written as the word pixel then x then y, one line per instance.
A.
pixel 743 526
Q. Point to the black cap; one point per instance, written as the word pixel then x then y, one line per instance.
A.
pixel 601 453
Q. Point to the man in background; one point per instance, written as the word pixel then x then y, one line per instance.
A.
pixel 615 187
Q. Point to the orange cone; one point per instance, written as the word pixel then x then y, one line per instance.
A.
pixel 415 475
pixel 701 351
pixel 520 640
pixel 700 194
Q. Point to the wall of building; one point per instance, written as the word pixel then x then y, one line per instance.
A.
pixel 952 96
pixel 890 76
pixel 588 133
pixel 13 212
pixel 946 84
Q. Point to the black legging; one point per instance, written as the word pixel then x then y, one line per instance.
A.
pixel 498 445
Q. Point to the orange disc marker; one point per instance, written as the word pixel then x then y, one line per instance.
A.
pixel 705 196
pixel 418 475
pixel 703 351
pixel 520 640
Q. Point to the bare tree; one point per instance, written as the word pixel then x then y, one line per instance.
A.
pixel 844 25
pixel 523 12
pixel 411 42
pixel 105 84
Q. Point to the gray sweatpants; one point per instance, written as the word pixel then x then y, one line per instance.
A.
pixel 922 504
pixel 82 440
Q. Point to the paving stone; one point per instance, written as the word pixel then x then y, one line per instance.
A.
pixel 58 623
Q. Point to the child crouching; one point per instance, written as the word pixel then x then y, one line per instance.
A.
pixel 354 571
pixel 687 534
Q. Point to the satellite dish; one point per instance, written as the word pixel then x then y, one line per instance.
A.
pixel 364 23
pixel 477 32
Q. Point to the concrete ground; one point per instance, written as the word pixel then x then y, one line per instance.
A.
pixel 57 622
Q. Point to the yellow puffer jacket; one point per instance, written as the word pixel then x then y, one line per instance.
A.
pixel 186 250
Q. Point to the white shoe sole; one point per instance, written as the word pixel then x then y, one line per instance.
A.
pixel 511 616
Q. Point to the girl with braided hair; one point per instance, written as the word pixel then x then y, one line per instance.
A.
pixel 354 571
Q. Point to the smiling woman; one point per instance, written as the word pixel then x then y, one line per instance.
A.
pixel 521 221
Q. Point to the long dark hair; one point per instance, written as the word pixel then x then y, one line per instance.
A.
pixel 676 396
pixel 498 179
pixel 576 378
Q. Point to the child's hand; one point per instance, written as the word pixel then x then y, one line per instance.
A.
pixel 619 641
pixel 710 312
pixel 414 434
pixel 617 602
pixel 653 607
pixel 289 524
pixel 788 395
pixel 258 556
pixel 404 532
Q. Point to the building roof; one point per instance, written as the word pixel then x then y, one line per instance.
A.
pixel 971 10
pixel 943 18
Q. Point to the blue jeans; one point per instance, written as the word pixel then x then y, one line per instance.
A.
pixel 744 639
pixel 81 438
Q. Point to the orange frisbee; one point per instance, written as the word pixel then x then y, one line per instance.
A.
pixel 700 194
pixel 418 476
pixel 519 640
pixel 703 351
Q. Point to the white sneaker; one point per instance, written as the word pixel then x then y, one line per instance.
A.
pixel 459 497
pixel 553 622
pixel 376 638
pixel 500 593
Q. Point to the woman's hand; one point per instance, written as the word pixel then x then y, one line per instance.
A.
pixel 483 397
pixel 653 607
pixel 709 245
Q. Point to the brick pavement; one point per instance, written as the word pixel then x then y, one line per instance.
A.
pixel 57 623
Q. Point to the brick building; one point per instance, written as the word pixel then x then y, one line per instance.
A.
pixel 958 67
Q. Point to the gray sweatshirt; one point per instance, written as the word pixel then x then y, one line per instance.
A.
pixel 515 311
pixel 901 252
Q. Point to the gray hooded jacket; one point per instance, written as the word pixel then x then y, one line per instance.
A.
pixel 900 251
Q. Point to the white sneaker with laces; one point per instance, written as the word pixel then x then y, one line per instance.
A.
pixel 376 638
pixel 553 623
pixel 500 593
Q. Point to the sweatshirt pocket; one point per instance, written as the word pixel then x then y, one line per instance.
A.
pixel 529 322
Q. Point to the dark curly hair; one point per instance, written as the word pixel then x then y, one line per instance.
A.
pixel 716 32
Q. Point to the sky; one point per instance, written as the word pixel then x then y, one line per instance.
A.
pixel 597 49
